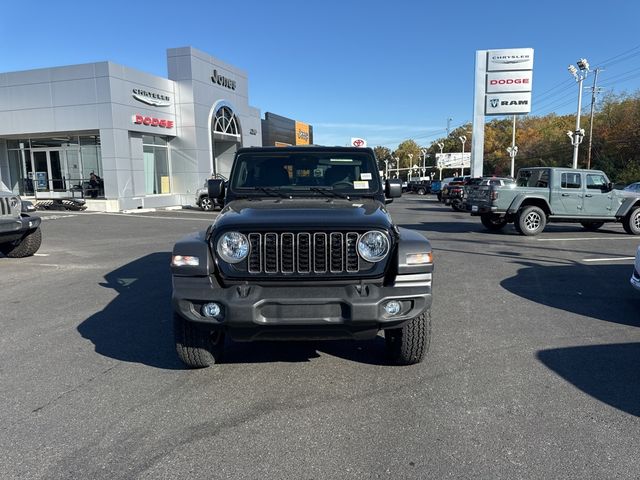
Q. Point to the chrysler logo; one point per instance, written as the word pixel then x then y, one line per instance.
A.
pixel 510 59
pixel 151 98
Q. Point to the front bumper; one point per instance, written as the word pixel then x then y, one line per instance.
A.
pixel 251 312
pixel 16 227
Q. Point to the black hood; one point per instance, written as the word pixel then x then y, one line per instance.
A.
pixel 303 213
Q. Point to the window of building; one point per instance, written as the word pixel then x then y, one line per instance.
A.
pixel 157 177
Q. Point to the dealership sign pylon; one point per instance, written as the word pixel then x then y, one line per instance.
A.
pixel 503 85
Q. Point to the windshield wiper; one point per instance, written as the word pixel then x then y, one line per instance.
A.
pixel 271 192
pixel 329 193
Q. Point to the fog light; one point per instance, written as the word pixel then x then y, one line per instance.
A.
pixel 211 310
pixel 392 307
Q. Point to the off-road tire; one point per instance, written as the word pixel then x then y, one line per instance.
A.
pixel 439 195
pixel 493 223
pixel 197 347
pixel 410 343
pixel 25 247
pixel 421 191
pixel 591 226
pixel 206 204
pixel 457 205
pixel 631 222
pixel 531 220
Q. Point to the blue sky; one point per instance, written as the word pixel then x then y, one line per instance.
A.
pixel 385 71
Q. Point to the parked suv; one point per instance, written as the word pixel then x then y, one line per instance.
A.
pixel 20 234
pixel 304 248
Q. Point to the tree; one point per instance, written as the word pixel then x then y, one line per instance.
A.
pixel 409 153
pixel 382 154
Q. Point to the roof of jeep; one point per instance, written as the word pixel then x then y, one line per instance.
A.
pixel 305 148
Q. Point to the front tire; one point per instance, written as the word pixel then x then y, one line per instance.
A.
pixel 531 220
pixel 457 205
pixel 421 191
pixel 25 247
pixel 409 344
pixel 197 347
pixel 206 204
pixel 493 223
pixel 631 222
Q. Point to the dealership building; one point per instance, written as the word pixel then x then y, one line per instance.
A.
pixel 152 140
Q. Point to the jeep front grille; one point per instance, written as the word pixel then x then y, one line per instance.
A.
pixel 303 253
pixel 5 206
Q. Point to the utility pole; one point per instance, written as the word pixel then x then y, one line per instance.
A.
pixel 449 125
pixel 594 90
pixel 577 135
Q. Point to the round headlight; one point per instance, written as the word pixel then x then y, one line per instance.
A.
pixel 233 247
pixel 16 203
pixel 373 246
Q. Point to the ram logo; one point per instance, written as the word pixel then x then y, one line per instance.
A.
pixel 494 102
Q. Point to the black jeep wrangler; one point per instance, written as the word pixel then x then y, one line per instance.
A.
pixel 304 248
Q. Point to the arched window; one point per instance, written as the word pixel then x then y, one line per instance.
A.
pixel 225 122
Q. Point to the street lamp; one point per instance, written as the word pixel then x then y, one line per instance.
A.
pixel 513 151
pixel 397 160
pixel 577 135
pixel 423 151
pixel 441 147
pixel 410 155
pixel 462 139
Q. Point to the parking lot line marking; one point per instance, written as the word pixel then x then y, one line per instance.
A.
pixel 40 254
pixel 630 237
pixel 613 259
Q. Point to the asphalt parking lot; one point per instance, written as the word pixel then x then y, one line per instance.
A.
pixel 534 368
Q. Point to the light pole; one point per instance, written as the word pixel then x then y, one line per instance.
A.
pixel 397 159
pixel 441 147
pixel 386 169
pixel 513 151
pixel 423 151
pixel 410 155
pixel 462 139
pixel 578 134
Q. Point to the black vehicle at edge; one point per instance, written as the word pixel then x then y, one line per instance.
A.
pixel 298 253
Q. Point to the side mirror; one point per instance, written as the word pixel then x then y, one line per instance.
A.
pixel 609 187
pixel 215 188
pixel 393 188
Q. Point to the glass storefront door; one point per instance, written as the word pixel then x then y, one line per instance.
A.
pixel 50 170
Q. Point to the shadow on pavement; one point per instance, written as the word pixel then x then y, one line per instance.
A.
pixel 137 325
pixel 609 373
pixel 596 291
pixel 371 352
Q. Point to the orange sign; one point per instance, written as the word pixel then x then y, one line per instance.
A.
pixel 302 133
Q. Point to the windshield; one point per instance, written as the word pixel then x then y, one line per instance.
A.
pixel 350 173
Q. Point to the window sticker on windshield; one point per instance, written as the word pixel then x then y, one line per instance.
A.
pixel 360 185
pixel 317 172
pixel 365 176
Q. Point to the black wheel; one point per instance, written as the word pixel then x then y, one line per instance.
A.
pixel 457 205
pixel 197 347
pixel 631 222
pixel 421 191
pixel 531 220
pixel 410 343
pixel 25 247
pixel 439 196
pixel 591 226
pixel 493 222
pixel 206 204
